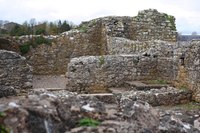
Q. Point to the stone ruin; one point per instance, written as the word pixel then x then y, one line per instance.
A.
pixel 106 54
pixel 15 74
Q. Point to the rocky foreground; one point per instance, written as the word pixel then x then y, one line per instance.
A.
pixel 66 112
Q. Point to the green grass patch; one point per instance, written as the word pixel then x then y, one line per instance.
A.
pixel 4 129
pixel 157 81
pixel 189 106
pixel 2 114
pixel 89 122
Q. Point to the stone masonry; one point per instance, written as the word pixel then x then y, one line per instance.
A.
pixel 103 36
pixel 97 73
pixel 164 62
pixel 15 73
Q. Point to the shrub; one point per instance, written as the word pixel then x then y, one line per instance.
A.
pixel 89 122
pixel 41 40
pixel 24 48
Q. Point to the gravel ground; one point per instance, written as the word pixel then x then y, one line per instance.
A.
pixel 40 81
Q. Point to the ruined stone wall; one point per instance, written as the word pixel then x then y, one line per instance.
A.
pixel 118 45
pixel 97 73
pixel 9 44
pixel 167 68
pixel 15 73
pixel 152 25
pixel 147 25
pixel 192 68
pixel 103 36
pixel 54 59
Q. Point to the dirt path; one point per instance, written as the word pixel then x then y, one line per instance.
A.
pixel 49 82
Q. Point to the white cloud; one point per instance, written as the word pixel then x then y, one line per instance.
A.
pixel 186 12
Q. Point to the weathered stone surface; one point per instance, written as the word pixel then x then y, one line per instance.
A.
pixel 54 59
pixel 15 73
pixel 9 44
pixel 90 73
pixel 61 111
pixel 101 36
pixel 192 67
pixel 157 97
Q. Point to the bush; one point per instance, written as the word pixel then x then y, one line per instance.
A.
pixel 83 28
pixel 34 43
pixel 24 48
pixel 41 40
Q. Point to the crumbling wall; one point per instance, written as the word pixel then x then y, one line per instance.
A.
pixel 191 66
pixel 153 25
pixel 9 44
pixel 103 36
pixel 97 73
pixel 15 73
pixel 54 59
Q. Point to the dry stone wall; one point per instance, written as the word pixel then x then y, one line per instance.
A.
pixel 97 73
pixel 15 73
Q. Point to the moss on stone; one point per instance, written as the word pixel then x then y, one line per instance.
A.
pixel 101 60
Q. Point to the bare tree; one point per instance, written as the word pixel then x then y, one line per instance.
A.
pixel 32 23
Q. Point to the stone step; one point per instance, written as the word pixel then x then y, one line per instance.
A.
pixel 138 85
pixel 104 97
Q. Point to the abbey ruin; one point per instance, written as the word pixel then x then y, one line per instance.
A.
pixel 121 56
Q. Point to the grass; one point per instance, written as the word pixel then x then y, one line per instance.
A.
pixel 157 81
pixel 2 114
pixel 189 106
pixel 89 122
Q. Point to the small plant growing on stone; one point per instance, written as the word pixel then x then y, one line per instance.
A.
pixel 171 19
pixel 82 28
pixel 89 122
pixel 101 60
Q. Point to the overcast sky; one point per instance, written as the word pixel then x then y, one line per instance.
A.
pixel 187 12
